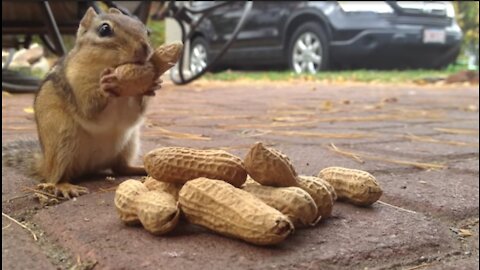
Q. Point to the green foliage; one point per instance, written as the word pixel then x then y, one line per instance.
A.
pixel 158 32
pixel 381 76
pixel 467 17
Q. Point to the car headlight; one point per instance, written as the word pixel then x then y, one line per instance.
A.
pixel 365 6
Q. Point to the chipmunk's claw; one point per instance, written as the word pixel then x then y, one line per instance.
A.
pixel 64 190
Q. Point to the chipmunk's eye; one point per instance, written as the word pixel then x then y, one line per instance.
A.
pixel 105 30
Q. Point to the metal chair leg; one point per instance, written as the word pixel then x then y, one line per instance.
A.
pixel 52 28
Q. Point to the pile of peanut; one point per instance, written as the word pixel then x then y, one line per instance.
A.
pixel 260 199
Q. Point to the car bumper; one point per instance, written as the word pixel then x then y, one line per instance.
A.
pixel 397 44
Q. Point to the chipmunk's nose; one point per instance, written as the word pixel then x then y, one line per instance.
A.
pixel 142 53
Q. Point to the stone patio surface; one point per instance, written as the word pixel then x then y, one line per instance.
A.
pixel 426 219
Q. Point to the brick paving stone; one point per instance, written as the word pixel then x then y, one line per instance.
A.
pixel 354 236
pixel 467 165
pixel 438 193
pixel 416 150
pixel 380 236
pixel 19 251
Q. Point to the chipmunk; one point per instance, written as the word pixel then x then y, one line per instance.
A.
pixel 83 126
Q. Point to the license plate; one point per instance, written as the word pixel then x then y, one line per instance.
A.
pixel 434 36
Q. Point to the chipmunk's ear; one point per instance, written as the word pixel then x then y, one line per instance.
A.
pixel 88 17
pixel 86 21
pixel 114 11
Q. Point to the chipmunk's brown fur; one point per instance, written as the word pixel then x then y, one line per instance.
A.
pixel 82 127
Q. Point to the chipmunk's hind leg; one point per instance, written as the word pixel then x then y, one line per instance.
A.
pixel 56 163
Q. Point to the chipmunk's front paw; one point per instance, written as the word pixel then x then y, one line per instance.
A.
pixel 109 82
pixel 64 190
pixel 155 87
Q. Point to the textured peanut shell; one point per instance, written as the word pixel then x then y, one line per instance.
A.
pixel 232 212
pixel 181 164
pixel 125 200
pixel 157 211
pixel 319 192
pixel 166 56
pixel 293 202
pixel 330 188
pixel 355 186
pixel 134 79
pixel 270 167
pixel 171 188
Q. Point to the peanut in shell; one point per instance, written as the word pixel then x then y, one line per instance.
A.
pixel 137 79
pixel 181 164
pixel 270 167
pixel 157 211
pixel 319 192
pixel 232 212
pixel 293 202
pixel 355 186
pixel 125 200
pixel 154 184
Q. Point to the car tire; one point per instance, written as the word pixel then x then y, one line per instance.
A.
pixel 199 55
pixel 308 56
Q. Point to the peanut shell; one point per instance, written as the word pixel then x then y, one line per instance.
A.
pixel 181 164
pixel 319 192
pixel 134 79
pixel 233 212
pixel 166 56
pixel 293 202
pixel 157 211
pixel 171 188
pixel 125 200
pixel 270 167
pixel 355 186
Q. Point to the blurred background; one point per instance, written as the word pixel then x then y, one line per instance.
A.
pixel 385 41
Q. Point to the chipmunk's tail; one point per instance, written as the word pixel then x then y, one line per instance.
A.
pixel 22 155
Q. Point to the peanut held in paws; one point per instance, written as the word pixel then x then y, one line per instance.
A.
pixel 138 79
pixel 134 79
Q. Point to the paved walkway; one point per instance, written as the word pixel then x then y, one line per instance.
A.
pixel 422 222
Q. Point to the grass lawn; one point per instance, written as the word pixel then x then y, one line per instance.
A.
pixel 383 76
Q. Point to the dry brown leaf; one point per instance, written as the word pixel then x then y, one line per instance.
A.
pixel 28 110
pixel 465 232
pixel 471 108
pixel 174 135
pixel 458 131
pixel 327 105
pixel 321 134
pixel 433 140
pixel 390 100
pixel 289 119
pixel 358 157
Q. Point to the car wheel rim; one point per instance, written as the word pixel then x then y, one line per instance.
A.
pixel 198 59
pixel 307 53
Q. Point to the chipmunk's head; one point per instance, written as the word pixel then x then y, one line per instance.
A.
pixel 113 38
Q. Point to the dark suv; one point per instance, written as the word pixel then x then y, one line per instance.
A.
pixel 311 36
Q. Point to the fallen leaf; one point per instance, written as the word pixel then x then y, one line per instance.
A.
pixel 28 110
pixel 471 108
pixel 465 232
pixel 327 105
pixel 389 100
